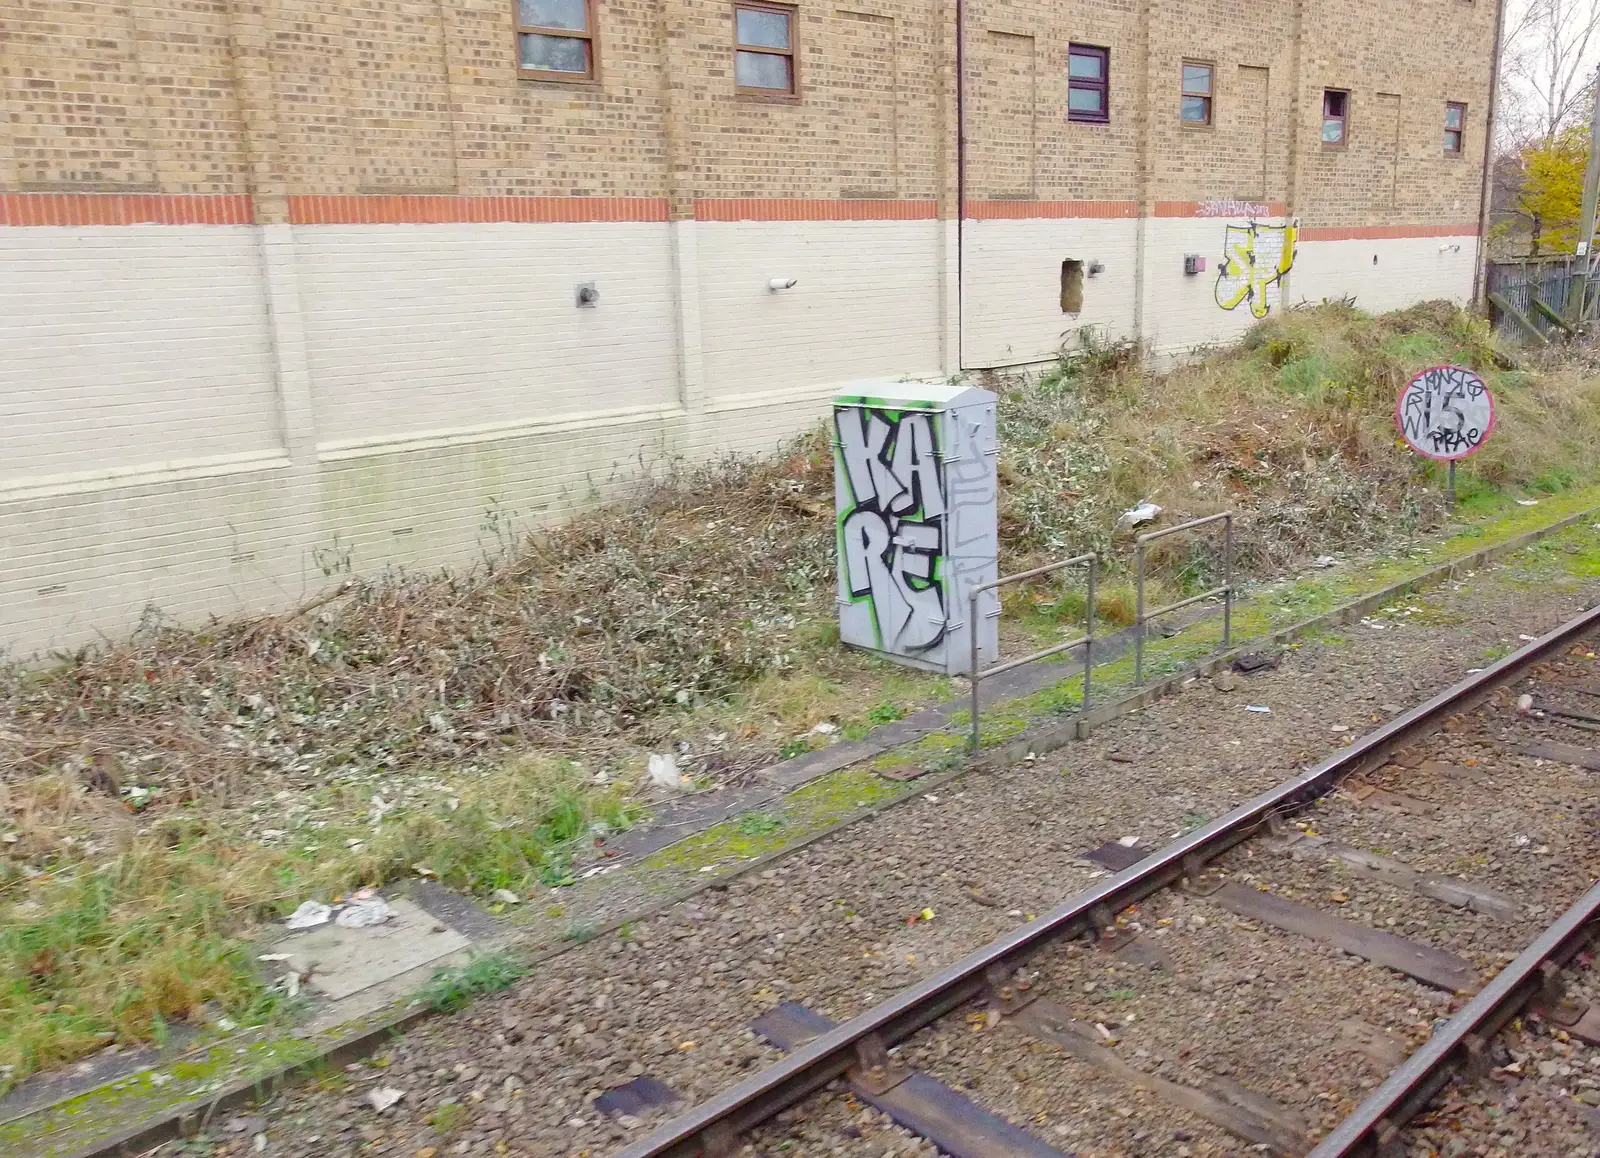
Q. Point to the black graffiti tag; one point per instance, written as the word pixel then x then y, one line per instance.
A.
pixel 893 533
pixel 1445 412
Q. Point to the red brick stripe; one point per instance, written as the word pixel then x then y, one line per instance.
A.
pixel 798 209
pixel 1020 210
pixel 1384 232
pixel 125 209
pixel 378 209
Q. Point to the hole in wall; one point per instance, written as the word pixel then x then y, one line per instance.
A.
pixel 1374 259
pixel 1071 286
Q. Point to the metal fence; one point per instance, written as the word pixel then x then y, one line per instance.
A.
pixel 979 674
pixel 1144 616
pixel 1534 300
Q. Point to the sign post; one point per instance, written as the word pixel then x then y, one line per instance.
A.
pixel 1445 413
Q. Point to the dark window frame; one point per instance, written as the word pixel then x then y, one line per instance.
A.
pixel 1209 96
pixel 1343 118
pixel 1459 132
pixel 1102 86
pixel 791 13
pixel 591 33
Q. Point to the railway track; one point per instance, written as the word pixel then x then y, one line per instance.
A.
pixel 1302 976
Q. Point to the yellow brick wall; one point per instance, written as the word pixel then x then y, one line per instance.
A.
pixel 423 96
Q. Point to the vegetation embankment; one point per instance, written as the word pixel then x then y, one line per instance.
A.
pixel 163 796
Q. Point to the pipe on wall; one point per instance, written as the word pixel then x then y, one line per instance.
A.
pixel 961 182
pixel 1480 260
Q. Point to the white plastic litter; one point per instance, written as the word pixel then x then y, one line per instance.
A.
pixel 505 897
pixel 825 728
pixel 1325 561
pixel 1256 708
pixel 1145 512
pixel 309 915
pixel 384 1097
pixel 363 914
pixel 664 772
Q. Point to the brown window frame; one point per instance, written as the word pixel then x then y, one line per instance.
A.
pixel 1102 86
pixel 1209 96
pixel 1343 119
pixel 1460 131
pixel 591 33
pixel 792 14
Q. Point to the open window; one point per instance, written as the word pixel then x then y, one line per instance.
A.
pixel 1335 117
pixel 1071 286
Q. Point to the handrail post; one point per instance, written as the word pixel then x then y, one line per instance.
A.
pixel 973 672
pixel 1227 579
pixel 1138 617
pixel 978 674
pixel 1088 631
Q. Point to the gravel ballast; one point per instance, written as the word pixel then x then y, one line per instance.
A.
pixel 839 925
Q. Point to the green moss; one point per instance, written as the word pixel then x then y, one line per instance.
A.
pixel 825 801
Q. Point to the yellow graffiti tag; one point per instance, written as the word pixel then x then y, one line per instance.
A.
pixel 1254 257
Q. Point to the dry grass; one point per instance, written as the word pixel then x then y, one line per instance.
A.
pixel 161 794
pixel 1293 429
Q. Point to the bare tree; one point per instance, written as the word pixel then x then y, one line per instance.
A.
pixel 1547 63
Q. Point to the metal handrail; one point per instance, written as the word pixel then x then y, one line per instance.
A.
pixel 1141 616
pixel 979 674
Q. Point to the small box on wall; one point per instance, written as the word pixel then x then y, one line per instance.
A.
pixel 1193 263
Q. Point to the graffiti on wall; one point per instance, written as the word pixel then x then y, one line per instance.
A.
pixel 892 533
pixel 1255 258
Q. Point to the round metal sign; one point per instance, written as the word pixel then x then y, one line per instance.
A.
pixel 1445 412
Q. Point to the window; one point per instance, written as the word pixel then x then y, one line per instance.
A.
pixel 763 57
pixel 555 39
pixel 1335 115
pixel 1088 83
pixel 1455 127
pixel 1195 106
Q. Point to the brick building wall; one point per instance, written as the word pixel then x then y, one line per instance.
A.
pixel 287 288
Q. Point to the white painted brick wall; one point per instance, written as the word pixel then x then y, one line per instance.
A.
pixel 1011 286
pixel 866 304
pixel 133 347
pixel 420 328
pixel 91 323
pixel 1181 310
pixel 1408 270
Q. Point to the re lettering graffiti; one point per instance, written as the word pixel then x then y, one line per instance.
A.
pixel 893 533
pixel 1445 412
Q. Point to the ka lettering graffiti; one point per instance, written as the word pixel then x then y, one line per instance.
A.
pixel 1254 260
pixel 892 535
pixel 1445 412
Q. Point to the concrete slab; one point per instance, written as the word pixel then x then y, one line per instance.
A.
pixel 344 961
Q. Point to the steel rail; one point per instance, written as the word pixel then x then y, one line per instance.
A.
pixel 712 1127
pixel 1461 1043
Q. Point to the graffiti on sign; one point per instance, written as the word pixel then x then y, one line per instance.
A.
pixel 892 535
pixel 1445 412
pixel 1254 259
